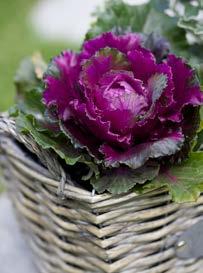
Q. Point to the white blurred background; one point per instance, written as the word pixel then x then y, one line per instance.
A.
pixel 66 19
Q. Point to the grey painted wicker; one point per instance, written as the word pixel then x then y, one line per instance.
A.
pixel 82 232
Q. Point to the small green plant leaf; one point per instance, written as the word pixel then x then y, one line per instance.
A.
pixel 121 180
pixel 46 140
pixel 32 102
pixel 184 182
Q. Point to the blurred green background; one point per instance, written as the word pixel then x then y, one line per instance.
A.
pixel 17 41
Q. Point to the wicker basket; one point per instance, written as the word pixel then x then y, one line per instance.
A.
pixel 78 231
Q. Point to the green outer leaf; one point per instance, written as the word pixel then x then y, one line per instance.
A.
pixel 29 73
pixel 32 102
pixel 184 182
pixel 121 180
pixel 119 16
pixel 27 124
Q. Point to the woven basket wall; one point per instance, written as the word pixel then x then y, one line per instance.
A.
pixel 77 231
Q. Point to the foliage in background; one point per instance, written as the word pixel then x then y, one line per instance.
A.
pixel 189 14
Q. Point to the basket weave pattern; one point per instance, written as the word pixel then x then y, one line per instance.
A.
pixel 83 232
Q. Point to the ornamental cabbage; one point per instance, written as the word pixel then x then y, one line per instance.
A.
pixel 121 102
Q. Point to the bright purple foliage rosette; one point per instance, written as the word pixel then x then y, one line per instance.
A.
pixel 120 102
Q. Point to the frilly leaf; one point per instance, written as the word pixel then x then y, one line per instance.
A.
pixel 118 16
pixel 59 144
pixel 121 180
pixel 184 182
